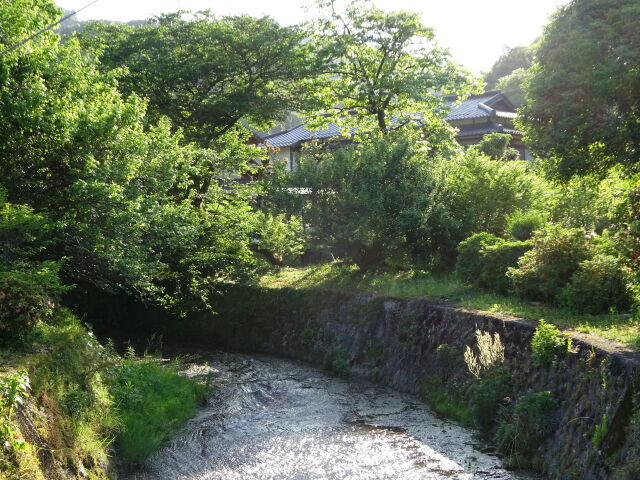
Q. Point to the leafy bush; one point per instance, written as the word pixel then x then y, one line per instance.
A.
pixel 524 426
pixel 27 297
pixel 14 389
pixel 469 263
pixel 521 225
pixel 597 286
pixel 546 268
pixel 496 261
pixel 279 239
pixel 483 261
pixel 547 343
pixel 336 361
pixel 479 193
pixel 366 202
pixel 487 395
pixel 496 146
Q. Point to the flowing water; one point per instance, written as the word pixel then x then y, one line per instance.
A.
pixel 272 418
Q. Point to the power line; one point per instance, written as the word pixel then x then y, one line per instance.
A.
pixel 48 27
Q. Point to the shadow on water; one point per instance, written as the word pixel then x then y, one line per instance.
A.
pixel 272 418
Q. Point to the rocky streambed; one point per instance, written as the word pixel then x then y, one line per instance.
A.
pixel 272 418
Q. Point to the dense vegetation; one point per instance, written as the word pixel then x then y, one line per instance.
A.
pixel 121 149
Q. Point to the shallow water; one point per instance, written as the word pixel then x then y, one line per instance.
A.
pixel 278 419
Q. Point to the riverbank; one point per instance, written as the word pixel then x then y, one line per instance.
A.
pixel 615 327
pixel 417 346
pixel 72 408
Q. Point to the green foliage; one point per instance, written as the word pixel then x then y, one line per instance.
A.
pixel 516 58
pixel 483 261
pixel 151 401
pixel 279 238
pixel 593 204
pixel 548 344
pixel 512 86
pixel 522 224
pixel 496 147
pixel 524 426
pixel 549 265
pixel 104 396
pixel 487 395
pixel 336 361
pixel 583 91
pixel 384 68
pixel 446 400
pixel 600 432
pixel 496 260
pixel 597 286
pixel 469 263
pixel 134 207
pixel 366 202
pixel 208 73
pixel 28 296
pixel 29 284
pixel 14 389
pixel 479 193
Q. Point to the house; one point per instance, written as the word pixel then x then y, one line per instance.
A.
pixel 474 117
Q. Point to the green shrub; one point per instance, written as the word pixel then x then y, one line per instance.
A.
pixel 27 297
pixel 521 225
pixel 13 391
pixel 546 268
pixel 596 287
pixel 480 193
pixel 470 252
pixel 487 395
pixel 279 239
pixel 524 426
pixel 496 261
pixel 496 146
pixel 547 343
pixel 483 261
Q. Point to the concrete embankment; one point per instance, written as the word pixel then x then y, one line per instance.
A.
pixel 397 343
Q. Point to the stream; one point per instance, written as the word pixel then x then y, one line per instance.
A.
pixel 270 418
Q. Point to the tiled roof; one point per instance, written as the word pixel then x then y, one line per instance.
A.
pixel 476 106
pixel 300 134
pixel 484 129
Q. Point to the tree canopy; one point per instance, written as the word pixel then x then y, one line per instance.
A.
pixel 385 67
pixel 511 60
pixel 583 94
pixel 207 73
pixel 117 188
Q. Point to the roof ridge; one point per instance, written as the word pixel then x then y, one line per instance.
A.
pixel 271 135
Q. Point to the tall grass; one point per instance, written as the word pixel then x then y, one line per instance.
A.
pixel 151 401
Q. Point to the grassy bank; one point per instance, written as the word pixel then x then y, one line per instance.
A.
pixel 69 403
pixel 337 276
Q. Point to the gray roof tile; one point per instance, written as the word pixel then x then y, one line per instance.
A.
pixel 476 106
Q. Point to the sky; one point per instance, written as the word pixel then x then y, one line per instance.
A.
pixel 475 31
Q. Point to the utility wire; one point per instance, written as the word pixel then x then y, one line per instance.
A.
pixel 48 27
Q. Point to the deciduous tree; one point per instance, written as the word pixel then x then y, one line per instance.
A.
pixel 583 95
pixel 385 68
